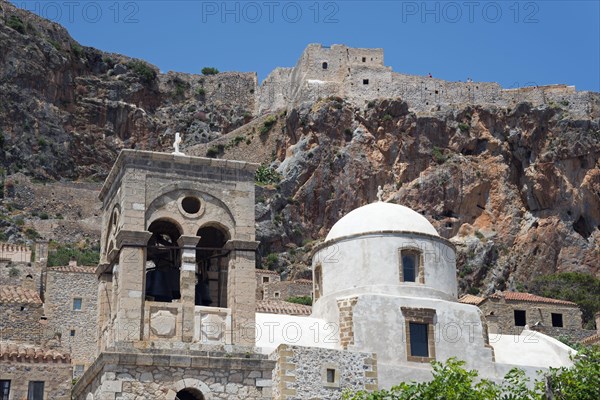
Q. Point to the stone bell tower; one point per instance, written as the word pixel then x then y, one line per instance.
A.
pixel 176 304
pixel 177 253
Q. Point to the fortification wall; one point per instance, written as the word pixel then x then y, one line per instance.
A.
pixel 27 275
pixel 15 252
pixel 20 322
pixel 360 76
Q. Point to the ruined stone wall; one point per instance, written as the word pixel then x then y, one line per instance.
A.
pixel 15 252
pixel 346 76
pixel 27 275
pixel 301 372
pixel 160 376
pixel 56 377
pixel 501 319
pixel 286 289
pixel 230 88
pixel 20 322
pixel 62 288
pixel 574 335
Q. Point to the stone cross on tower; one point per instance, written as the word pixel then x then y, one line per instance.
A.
pixel 379 193
pixel 176 145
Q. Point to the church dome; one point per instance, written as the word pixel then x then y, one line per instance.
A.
pixel 380 216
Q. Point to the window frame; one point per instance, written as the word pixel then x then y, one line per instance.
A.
pixel 419 267
pixel 265 279
pixel 32 392
pixel 421 316
pixel 515 311
pixel 80 299
pixel 5 389
pixel 557 315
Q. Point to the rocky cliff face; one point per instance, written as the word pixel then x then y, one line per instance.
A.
pixel 517 190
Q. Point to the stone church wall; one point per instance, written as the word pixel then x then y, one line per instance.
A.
pixel 302 372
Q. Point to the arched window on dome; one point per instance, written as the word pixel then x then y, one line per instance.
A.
pixel 318 279
pixel 411 265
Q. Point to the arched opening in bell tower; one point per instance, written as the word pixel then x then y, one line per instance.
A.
pixel 163 262
pixel 213 261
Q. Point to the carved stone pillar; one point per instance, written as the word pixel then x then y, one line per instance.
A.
pixel 131 285
pixel 241 290
pixel 187 284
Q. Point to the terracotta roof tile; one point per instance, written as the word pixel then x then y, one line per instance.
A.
pixel 266 272
pixel 25 352
pixel 282 307
pixel 16 294
pixel 594 339
pixel 74 268
pixel 528 297
pixel 470 299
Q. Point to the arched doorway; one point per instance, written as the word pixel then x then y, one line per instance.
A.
pixel 189 394
pixel 213 260
pixel 163 262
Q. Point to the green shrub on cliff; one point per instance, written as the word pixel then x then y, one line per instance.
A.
pixel 142 70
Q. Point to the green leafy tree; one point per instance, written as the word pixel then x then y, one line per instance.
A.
pixel 452 382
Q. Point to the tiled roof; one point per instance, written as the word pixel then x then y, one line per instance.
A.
pixel 16 294
pixel 74 268
pixel 470 299
pixel 530 298
pixel 31 353
pixel 266 272
pixel 594 339
pixel 282 307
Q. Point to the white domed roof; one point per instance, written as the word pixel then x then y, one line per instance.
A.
pixel 381 216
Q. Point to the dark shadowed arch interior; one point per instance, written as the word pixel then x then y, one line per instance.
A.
pixel 163 262
pixel 189 394
pixel 211 288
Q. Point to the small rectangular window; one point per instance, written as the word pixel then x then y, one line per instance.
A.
pixel 410 262
pixel 265 279
pixel 36 390
pixel 557 320
pixel 520 318
pixel 365 81
pixel 4 389
pixel 72 333
pixel 78 371
pixel 77 303
pixel 276 294
pixel 330 375
pixel 419 343
pixel 364 59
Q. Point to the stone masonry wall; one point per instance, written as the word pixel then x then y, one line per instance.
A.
pixel 160 377
pixel 21 322
pixel 301 372
pixel 286 289
pixel 56 377
pixel 501 319
pixel 346 324
pixel 27 275
pixel 346 74
pixel 62 288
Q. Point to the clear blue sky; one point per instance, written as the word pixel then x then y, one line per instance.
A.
pixel 514 43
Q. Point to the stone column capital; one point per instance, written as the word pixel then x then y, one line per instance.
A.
pixel 241 245
pixel 188 241
pixel 132 238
